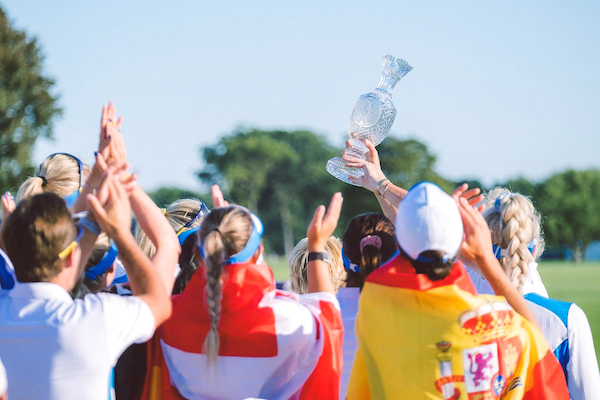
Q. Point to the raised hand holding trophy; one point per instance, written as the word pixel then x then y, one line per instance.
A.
pixel 372 118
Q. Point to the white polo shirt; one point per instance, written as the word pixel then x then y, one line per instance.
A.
pixel 54 347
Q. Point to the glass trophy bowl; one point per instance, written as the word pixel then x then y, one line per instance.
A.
pixel 372 118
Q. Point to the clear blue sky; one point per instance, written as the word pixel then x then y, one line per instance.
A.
pixel 499 88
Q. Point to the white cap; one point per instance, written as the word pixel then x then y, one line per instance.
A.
pixel 428 219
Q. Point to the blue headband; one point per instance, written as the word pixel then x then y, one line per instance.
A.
pixel 184 235
pixel 107 260
pixel 501 253
pixel 7 281
pixel 350 266
pixel 70 199
pixel 251 245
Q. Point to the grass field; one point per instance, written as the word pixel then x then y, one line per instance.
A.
pixel 576 283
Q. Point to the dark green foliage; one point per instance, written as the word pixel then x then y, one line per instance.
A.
pixel 281 175
pixel 569 202
pixel 166 195
pixel 27 106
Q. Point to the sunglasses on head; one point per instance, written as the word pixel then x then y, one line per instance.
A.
pixel 69 249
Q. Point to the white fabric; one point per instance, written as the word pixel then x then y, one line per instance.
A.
pixel 274 377
pixel 55 347
pixel 348 298
pixel 533 282
pixel 582 370
pixel 428 219
pixel 3 383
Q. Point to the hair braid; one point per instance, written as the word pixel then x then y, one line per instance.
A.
pixel 225 231
pixel 213 245
pixel 514 223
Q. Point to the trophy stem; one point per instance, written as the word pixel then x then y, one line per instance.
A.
pixel 337 166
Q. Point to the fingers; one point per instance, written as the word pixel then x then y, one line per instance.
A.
pixel 95 206
pixel 317 218
pixel 101 162
pixel 334 209
pixel 372 155
pixel 119 122
pixel 217 197
pixel 459 191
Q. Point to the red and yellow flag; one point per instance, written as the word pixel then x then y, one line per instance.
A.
pixel 419 339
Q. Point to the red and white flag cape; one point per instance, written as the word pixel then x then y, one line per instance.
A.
pixel 273 344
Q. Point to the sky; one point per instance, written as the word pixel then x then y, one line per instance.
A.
pixel 499 89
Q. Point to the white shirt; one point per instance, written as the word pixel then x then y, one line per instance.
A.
pixel 54 347
pixel 532 284
pixel 348 298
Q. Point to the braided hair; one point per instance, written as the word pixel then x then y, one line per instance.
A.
pixel 224 232
pixel 515 226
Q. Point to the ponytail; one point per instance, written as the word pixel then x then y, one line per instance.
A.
pixel 223 233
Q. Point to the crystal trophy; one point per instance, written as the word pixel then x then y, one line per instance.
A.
pixel 372 118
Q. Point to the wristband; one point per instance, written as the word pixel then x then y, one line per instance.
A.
pixel 90 226
pixel 321 255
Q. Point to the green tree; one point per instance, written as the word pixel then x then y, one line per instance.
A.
pixel 27 106
pixel 569 203
pixel 166 195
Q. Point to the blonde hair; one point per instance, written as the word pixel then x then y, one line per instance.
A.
pixel 298 263
pixel 58 174
pixel 179 213
pixel 224 232
pixel 514 223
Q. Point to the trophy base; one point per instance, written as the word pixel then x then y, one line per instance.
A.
pixel 337 168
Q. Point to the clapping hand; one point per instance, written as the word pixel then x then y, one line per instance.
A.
pixel 323 224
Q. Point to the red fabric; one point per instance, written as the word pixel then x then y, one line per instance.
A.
pixel 330 362
pixel 243 288
pixel 398 272
pixel 548 380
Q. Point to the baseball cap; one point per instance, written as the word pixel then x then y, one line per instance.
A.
pixel 428 219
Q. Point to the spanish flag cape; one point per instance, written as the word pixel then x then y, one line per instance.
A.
pixel 273 344
pixel 419 339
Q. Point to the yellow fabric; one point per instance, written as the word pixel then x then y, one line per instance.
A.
pixel 397 331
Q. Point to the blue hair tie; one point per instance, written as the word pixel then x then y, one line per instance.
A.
pixel 501 253
pixel 349 265
pixel 107 260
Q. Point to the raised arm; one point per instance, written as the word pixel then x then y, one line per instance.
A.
pixel 321 227
pixel 160 233
pixel 114 217
pixel 477 246
pixel 388 195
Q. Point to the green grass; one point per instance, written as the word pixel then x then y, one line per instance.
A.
pixel 575 283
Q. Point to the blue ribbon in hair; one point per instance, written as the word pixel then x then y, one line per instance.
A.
pixel 107 260
pixel 350 266
pixel 500 252
pixel 251 245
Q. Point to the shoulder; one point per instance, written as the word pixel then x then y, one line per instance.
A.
pixel 559 308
